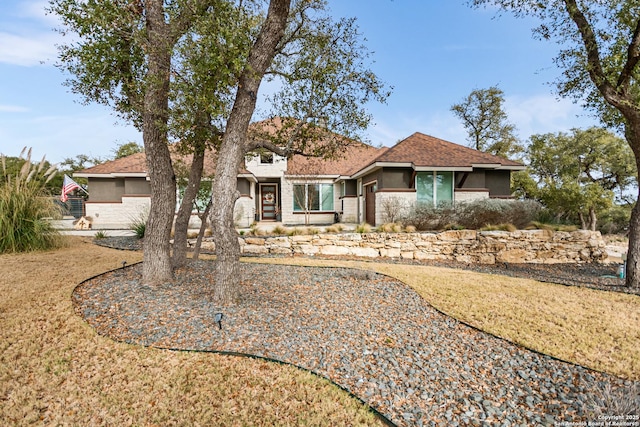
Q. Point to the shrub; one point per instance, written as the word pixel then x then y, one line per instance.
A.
pixel 312 230
pixel 623 401
pixel 25 207
pixel 473 215
pixel 335 228
pixel 278 229
pixel 390 228
pixel 100 235
pixel 363 228
pixel 139 224
pixel 533 225
pixel 425 216
pixel 392 208
pixel 499 227
pixel 295 232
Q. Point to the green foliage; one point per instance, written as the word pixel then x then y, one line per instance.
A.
pixel 578 173
pixel 25 207
pixel 363 228
pixel 602 70
pixel 127 149
pixel 101 234
pixel 482 114
pixel 325 80
pixel 108 65
pixel 615 220
pixel 138 224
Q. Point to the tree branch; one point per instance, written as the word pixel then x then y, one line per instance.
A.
pixel 590 42
pixel 633 55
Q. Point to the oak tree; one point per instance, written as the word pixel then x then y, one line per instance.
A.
pixel 580 173
pixel 483 116
pixel 599 54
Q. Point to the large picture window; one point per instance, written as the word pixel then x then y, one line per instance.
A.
pixel 312 197
pixel 434 187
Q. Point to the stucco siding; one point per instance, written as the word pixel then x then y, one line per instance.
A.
pixel 117 215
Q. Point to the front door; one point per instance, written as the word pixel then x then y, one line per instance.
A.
pixel 269 200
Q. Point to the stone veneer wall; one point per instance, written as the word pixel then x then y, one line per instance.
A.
pixel 484 247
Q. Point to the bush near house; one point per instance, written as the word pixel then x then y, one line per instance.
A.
pixel 472 215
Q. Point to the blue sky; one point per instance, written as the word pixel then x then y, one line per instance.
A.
pixel 433 52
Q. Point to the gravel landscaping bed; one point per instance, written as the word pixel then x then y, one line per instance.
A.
pixel 369 333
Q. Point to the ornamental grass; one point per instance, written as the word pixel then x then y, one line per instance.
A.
pixel 25 208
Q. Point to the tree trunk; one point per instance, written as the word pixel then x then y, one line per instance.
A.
pixel 181 226
pixel 633 254
pixel 225 194
pixel 157 261
pixel 593 219
pixel 233 149
pixel 203 227
pixel 583 221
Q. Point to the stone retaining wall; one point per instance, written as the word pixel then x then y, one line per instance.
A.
pixel 484 247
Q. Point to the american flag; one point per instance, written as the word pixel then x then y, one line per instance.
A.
pixel 68 185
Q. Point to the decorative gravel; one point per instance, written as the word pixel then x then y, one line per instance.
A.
pixel 368 333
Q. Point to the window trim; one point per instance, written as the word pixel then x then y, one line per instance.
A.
pixel 320 197
pixel 434 190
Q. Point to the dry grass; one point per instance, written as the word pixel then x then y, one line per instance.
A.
pixel 55 370
pixel 596 329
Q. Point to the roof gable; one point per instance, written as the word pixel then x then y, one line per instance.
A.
pixel 427 151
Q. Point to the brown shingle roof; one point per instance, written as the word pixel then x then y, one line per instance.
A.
pixel 427 151
pixel 137 163
pixel 356 156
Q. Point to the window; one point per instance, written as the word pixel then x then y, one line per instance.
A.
pixel 266 157
pixel 312 197
pixel 434 187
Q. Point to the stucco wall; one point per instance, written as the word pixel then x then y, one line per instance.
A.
pixel 484 247
pixel 106 215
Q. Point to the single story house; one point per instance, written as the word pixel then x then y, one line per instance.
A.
pixel 301 190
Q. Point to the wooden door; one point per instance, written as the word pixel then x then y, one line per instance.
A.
pixel 370 204
pixel 269 201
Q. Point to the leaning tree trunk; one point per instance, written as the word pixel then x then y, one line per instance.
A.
pixel 181 226
pixel 157 261
pixel 593 219
pixel 633 253
pixel 225 194
pixel 233 149
pixel 204 218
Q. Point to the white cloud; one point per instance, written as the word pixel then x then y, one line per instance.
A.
pixel 545 114
pixel 27 51
pixel 13 109
pixel 37 10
